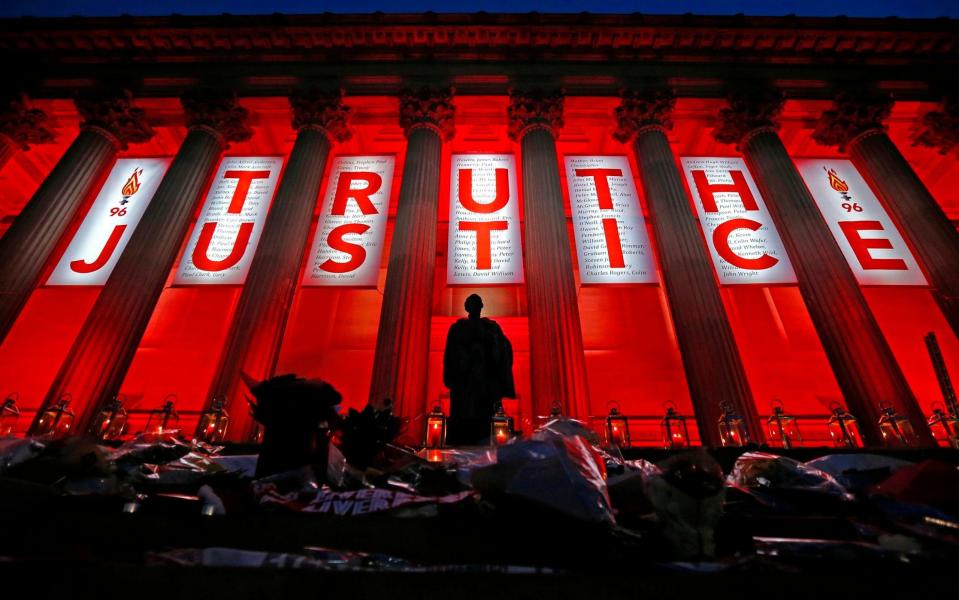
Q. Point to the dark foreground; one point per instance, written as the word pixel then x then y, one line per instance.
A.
pixel 775 534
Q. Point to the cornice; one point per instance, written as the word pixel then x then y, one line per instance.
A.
pixel 469 35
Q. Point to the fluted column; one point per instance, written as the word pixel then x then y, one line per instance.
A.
pixel 863 363
pixel 20 126
pixel 401 361
pixel 109 124
pixel 857 125
pixel 557 363
pixel 711 360
pixel 253 342
pixel 98 360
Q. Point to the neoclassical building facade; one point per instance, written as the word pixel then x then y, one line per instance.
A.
pixel 715 214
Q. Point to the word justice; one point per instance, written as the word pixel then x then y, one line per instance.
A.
pixel 485 240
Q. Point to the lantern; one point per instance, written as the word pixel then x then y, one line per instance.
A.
pixel 9 414
pixel 435 428
pixel 257 436
pixel 57 420
pixel 732 427
pixel 501 427
pixel 843 428
pixel 434 455
pixel 214 421
pixel 110 421
pixel 617 427
pixel 896 429
pixel 675 433
pixel 783 430
pixel 163 418
pixel 945 427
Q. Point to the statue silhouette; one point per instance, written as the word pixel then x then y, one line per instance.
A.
pixel 478 370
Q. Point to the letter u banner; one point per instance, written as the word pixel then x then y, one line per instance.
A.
pixel 226 234
pixel 484 238
pixel 349 238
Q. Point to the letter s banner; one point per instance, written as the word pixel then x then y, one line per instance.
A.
pixel 348 244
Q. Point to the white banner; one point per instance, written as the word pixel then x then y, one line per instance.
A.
pixel 872 244
pixel 349 237
pixel 484 237
pixel 106 228
pixel 612 243
pixel 226 234
pixel 742 240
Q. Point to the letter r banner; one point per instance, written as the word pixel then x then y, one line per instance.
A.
pixel 348 244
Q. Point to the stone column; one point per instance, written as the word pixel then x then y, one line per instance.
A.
pixel 21 125
pixel 857 125
pixel 253 342
pixel 109 124
pixel 98 360
pixel 711 360
pixel 401 362
pixel 557 364
pixel 863 363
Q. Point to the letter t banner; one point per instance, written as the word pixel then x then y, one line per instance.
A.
pixel 612 243
pixel 226 234
pixel 484 238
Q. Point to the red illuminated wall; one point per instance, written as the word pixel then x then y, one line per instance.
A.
pixel 40 339
pixel 631 352
pixel 331 331
pixel 180 348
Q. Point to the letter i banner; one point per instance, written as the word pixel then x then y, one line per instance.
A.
pixel 348 245
pixel 98 243
pixel 226 234
pixel 484 238
pixel 612 243
pixel 740 234
pixel 871 243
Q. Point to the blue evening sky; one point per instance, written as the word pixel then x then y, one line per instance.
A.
pixel 857 8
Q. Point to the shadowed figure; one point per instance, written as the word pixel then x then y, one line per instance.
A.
pixel 478 370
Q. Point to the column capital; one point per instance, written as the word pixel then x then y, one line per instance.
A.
pixel 23 123
pixel 643 108
pixel 749 110
pixel 535 108
pixel 940 128
pixel 114 115
pixel 428 107
pixel 855 111
pixel 219 113
pixel 321 109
